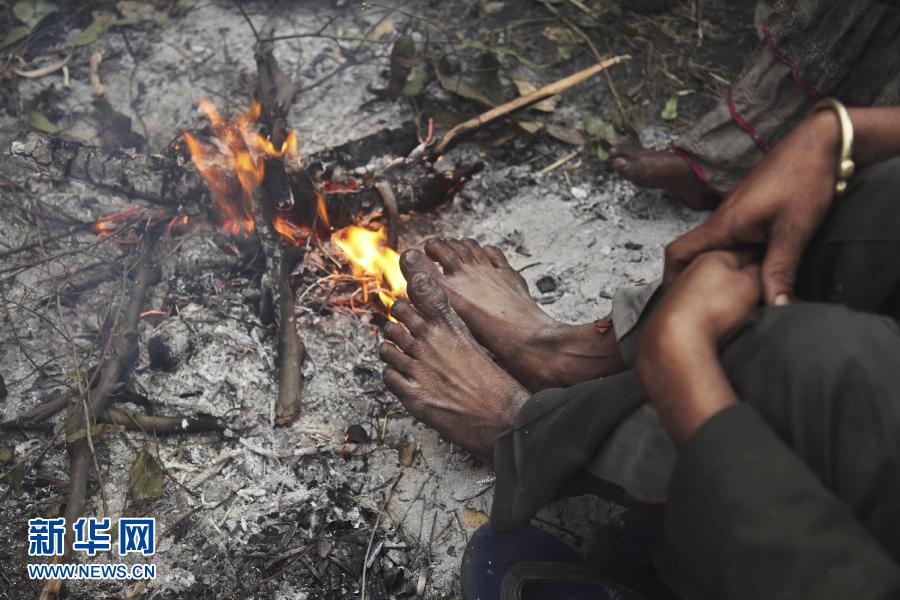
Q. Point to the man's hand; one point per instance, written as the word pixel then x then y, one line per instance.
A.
pixel 677 358
pixel 780 204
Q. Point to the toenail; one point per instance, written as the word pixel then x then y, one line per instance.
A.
pixel 620 163
pixel 411 257
pixel 421 282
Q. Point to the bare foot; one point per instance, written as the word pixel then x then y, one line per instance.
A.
pixel 493 300
pixel 663 170
pixel 442 376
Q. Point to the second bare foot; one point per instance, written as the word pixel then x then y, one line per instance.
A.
pixel 442 376
pixel 663 170
pixel 493 300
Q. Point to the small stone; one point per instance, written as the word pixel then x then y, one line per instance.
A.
pixel 546 284
pixel 580 192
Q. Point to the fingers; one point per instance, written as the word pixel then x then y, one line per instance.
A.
pixel 712 235
pixel 779 266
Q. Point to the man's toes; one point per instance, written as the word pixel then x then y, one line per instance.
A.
pixel 496 256
pixel 414 261
pixel 463 251
pixel 624 167
pixel 476 249
pixel 400 335
pixel 395 382
pixel 431 300
pixel 444 254
pixel 407 315
pixel 394 358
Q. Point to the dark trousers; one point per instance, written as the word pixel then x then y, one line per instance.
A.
pixel 819 426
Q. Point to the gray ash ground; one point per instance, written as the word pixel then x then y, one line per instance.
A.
pixel 263 512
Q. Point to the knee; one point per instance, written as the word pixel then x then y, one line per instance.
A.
pixel 798 361
pixel 810 338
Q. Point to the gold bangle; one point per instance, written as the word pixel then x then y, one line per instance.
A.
pixel 846 166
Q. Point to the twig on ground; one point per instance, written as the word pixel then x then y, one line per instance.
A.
pixel 523 102
pixel 387 499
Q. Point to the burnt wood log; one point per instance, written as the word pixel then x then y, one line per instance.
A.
pixel 275 93
pixel 160 424
pixel 171 181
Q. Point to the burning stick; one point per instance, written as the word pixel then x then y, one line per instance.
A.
pixel 275 93
pixel 507 109
pixel 390 211
pixel 291 349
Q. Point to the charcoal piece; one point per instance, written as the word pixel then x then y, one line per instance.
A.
pixel 356 434
pixel 171 346
pixel 546 284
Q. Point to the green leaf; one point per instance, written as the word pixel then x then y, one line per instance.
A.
pixel 39 121
pixel 670 112
pixel 415 84
pixel 483 87
pixel 562 36
pixel 97 28
pixel 598 128
pixel 602 154
pixel 475 44
pixel 146 477
pixel 14 35
pixel 31 12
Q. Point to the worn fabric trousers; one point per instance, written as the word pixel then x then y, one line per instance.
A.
pixel 794 492
pixel 811 49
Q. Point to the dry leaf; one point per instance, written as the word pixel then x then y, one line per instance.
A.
pixel 473 519
pixel 525 87
pixel 407 453
pixel 383 29
pixel 146 477
pixel 567 135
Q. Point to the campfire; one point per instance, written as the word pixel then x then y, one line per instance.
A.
pixel 238 151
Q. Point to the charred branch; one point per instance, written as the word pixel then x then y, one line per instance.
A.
pixel 159 424
pixel 122 352
pixel 156 178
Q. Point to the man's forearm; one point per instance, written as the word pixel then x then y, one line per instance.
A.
pixel 684 381
pixel 876 133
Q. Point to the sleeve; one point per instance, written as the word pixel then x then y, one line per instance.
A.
pixel 747 520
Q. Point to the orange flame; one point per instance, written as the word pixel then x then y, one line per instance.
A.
pixel 110 223
pixel 372 261
pixel 239 151
pixel 295 234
